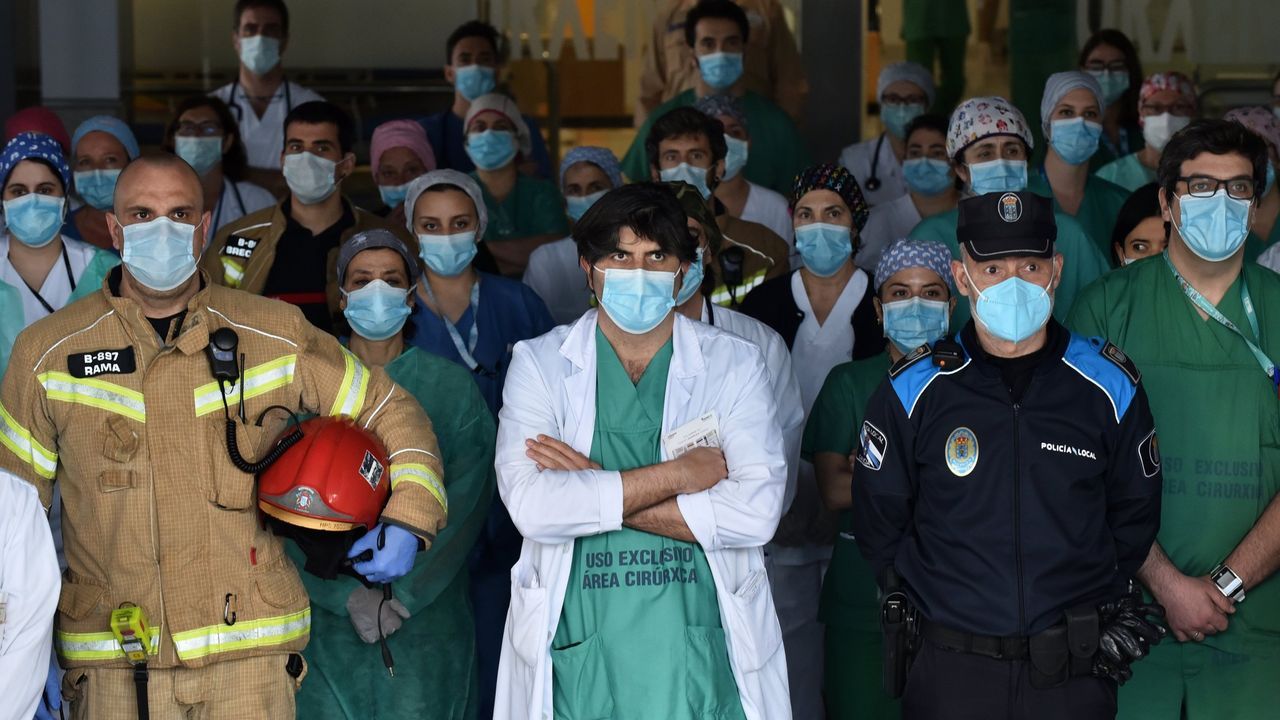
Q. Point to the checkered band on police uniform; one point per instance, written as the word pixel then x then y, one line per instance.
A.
pixel 34 146
pixel 908 253
pixel 839 181
pixel 982 117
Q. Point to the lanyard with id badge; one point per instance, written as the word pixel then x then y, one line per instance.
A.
pixel 1207 307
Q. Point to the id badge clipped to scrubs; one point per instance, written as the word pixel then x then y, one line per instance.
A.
pixel 703 432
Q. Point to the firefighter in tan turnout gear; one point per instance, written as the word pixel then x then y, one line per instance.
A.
pixel 114 398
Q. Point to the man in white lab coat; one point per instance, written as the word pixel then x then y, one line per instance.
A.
pixel 639 455
pixel 29 587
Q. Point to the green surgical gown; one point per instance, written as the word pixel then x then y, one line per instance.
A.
pixel 434 649
pixel 534 207
pixel 1098 210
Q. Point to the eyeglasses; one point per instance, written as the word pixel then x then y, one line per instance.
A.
pixel 1181 108
pixel 204 129
pixel 1116 66
pixel 892 99
pixel 1203 186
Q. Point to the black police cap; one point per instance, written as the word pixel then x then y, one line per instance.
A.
pixel 999 225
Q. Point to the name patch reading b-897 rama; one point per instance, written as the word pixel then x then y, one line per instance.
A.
pixel 101 362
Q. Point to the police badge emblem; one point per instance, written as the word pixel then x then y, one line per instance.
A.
pixel 962 451
pixel 1010 207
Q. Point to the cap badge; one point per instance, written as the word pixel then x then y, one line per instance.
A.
pixel 1010 207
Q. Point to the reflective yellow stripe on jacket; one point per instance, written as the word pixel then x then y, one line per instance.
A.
pixel 232 272
pixel 77 647
pixel 355 382
pixel 420 475
pixel 19 441
pixel 244 635
pixel 98 394
pixel 721 296
pixel 258 380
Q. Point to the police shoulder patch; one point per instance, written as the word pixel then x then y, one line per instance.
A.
pixel 1122 361
pixel 872 445
pixel 910 359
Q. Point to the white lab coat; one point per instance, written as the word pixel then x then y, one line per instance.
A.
pixel 782 378
pixel 550 389
pixel 29 587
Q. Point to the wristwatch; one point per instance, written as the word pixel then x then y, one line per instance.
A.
pixel 1229 584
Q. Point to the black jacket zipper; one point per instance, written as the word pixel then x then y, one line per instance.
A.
pixel 1017 514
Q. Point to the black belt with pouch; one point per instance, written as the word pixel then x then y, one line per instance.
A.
pixel 1065 650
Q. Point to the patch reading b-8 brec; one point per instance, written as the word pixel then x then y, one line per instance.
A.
pixel 241 247
pixel 1117 356
pixel 101 362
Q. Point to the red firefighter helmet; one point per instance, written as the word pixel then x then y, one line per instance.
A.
pixel 334 479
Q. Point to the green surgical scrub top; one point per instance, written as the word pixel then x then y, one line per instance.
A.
pixel 1127 172
pixel 849 592
pixel 1098 210
pixel 640 634
pixel 435 648
pixel 534 207
pixel 1217 416
pixel 1082 263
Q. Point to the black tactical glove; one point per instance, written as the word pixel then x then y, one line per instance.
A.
pixel 1129 627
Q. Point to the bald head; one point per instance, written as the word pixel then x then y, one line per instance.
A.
pixel 155 176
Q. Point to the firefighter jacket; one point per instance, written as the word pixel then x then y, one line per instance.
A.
pixel 133 429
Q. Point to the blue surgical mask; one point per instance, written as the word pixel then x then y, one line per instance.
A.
pixel 376 311
pixel 1114 84
pixel 448 255
pixel 823 247
pixel 998 176
pixel 684 172
pixel 393 195
pixel 638 300
pixel 34 219
pixel 692 280
pixel 914 322
pixel 735 158
pixel 201 153
pixel 259 53
pixel 475 80
pixel 1013 309
pixel 1075 140
pixel 1213 227
pixel 927 176
pixel 160 253
pixel 896 118
pixel 578 205
pixel 491 149
pixel 310 177
pixel 97 187
pixel 720 70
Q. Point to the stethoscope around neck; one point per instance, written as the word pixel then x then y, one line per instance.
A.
pixel 873 181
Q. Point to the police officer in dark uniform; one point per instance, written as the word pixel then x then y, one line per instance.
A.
pixel 1010 478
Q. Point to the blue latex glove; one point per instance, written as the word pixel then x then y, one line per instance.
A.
pixel 50 707
pixel 393 560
